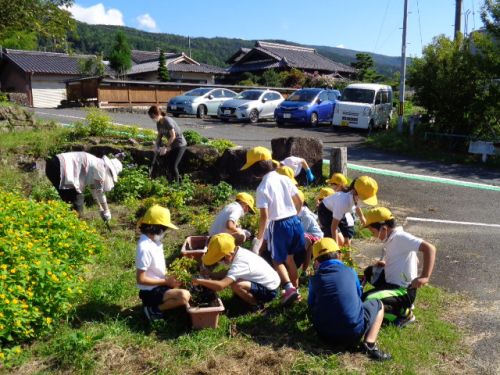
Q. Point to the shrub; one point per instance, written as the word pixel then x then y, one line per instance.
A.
pixel 222 144
pixel 135 183
pixel 96 124
pixel 43 247
pixel 4 97
pixel 194 138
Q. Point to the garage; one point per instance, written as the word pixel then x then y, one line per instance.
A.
pixel 47 94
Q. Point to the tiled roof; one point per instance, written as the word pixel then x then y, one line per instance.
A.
pixel 252 66
pixel 295 57
pixel 238 55
pixel 196 68
pixel 45 62
pixel 140 57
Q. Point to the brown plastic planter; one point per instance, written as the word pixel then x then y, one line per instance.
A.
pixel 205 317
pixel 194 247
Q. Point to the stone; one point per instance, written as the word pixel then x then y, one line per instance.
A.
pixel 310 149
pixel 228 168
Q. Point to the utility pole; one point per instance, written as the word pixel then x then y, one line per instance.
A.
pixel 458 16
pixel 403 71
pixel 189 45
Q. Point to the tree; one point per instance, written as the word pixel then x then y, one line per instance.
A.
pixel 92 66
pixel 293 78
pixel 120 59
pixel 46 18
pixel 19 40
pixel 458 86
pixel 162 68
pixel 365 66
pixel 490 15
pixel 271 78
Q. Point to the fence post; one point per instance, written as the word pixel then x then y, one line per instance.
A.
pixel 338 160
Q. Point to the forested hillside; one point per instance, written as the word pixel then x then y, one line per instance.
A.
pixel 214 51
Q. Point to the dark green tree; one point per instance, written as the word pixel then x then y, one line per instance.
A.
pixel 45 18
pixel 120 59
pixel 490 15
pixel 162 68
pixel 271 78
pixel 92 66
pixel 365 66
pixel 19 40
pixel 293 78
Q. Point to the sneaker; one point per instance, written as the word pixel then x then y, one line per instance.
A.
pixel 290 296
pixel 151 314
pixel 375 353
pixel 402 322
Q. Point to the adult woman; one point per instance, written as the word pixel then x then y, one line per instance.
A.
pixel 175 140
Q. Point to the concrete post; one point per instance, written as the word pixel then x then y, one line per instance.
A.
pixel 338 160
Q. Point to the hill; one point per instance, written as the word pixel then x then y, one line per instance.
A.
pixel 99 39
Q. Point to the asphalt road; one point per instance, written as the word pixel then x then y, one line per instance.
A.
pixel 468 242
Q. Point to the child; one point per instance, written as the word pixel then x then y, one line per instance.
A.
pixel 251 278
pixel 297 164
pixel 227 221
pixel 337 312
pixel 331 210
pixel 397 283
pixel 278 201
pixel 157 291
pixel 346 225
pixel 288 172
pixel 323 193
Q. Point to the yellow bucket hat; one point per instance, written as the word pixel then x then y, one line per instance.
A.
pixel 324 246
pixel 256 154
pixel 337 179
pixel 377 215
pixel 325 192
pixel 157 215
pixel 287 171
pixel 247 199
pixel 367 188
pixel 219 246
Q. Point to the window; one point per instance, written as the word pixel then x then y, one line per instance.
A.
pixel 332 96
pixel 229 94
pixel 217 93
pixel 385 97
pixel 358 95
pixel 323 96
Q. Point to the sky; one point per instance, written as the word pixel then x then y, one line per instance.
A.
pixel 362 25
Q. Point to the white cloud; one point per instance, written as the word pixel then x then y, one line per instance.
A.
pixel 147 22
pixel 340 46
pixel 97 15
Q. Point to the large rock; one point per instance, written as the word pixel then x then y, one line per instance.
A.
pixel 16 117
pixel 310 149
pixel 228 168
pixel 199 161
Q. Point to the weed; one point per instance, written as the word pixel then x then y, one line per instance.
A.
pixel 183 269
pixel 221 144
pixel 194 138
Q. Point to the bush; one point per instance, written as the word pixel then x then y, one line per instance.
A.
pixel 4 97
pixel 221 144
pixel 194 138
pixel 43 247
pixel 135 183
pixel 96 124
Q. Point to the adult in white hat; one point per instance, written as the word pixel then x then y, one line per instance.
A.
pixel 71 172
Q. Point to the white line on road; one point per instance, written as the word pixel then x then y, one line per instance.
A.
pixel 452 222
pixel 69 116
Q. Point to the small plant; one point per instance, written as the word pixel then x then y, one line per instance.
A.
pixel 221 144
pixel 201 220
pixel 98 122
pixel 194 138
pixel 183 269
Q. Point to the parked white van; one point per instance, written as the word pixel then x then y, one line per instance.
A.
pixel 364 106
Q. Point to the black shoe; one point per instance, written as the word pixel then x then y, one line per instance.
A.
pixel 375 353
pixel 151 314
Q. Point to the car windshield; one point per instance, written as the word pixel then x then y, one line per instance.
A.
pixel 249 95
pixel 197 92
pixel 302 96
pixel 358 95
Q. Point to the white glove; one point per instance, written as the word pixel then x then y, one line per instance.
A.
pixel 256 244
pixel 247 234
pixel 106 215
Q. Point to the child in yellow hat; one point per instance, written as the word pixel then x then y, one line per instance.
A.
pixel 337 312
pixel 158 291
pixel 227 221
pixel 250 277
pixel 397 283
pixel 298 165
pixel 279 203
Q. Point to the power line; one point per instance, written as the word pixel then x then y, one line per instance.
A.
pixel 420 27
pixel 381 25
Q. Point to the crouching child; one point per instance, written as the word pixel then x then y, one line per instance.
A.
pixel 158 291
pixel 250 277
pixel 337 312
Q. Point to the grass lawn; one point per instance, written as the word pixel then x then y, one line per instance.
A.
pixel 109 334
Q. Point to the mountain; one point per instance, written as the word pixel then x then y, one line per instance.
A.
pixel 92 39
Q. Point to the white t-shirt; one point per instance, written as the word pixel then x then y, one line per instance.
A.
pixel 80 169
pixel 401 261
pixel 233 211
pixel 275 193
pixel 251 267
pixel 150 258
pixel 293 162
pixel 340 204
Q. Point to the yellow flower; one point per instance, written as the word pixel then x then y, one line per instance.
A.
pixel 17 323
pixel 48 320
pixel 2 356
pixel 6 301
pixel 2 296
pixel 14 301
pixel 3 266
pixel 13 270
pixel 17 350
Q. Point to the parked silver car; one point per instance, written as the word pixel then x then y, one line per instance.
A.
pixel 251 105
pixel 200 102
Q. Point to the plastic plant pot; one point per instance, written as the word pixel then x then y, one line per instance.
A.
pixel 205 317
pixel 194 247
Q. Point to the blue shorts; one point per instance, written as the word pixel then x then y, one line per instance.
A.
pixel 370 311
pixel 261 293
pixel 286 237
pixel 347 232
pixel 153 297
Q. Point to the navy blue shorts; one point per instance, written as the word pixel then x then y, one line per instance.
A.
pixel 370 311
pixel 261 293
pixel 286 237
pixel 153 297
pixel 347 232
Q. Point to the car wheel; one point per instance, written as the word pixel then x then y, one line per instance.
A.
pixel 224 119
pixel 280 122
pixel 176 115
pixel 370 128
pixel 253 116
pixel 201 112
pixel 387 124
pixel 313 121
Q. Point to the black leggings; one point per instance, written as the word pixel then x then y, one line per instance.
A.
pixel 53 173
pixel 173 159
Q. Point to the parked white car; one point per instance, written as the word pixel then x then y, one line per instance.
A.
pixel 365 106
pixel 201 102
pixel 251 105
